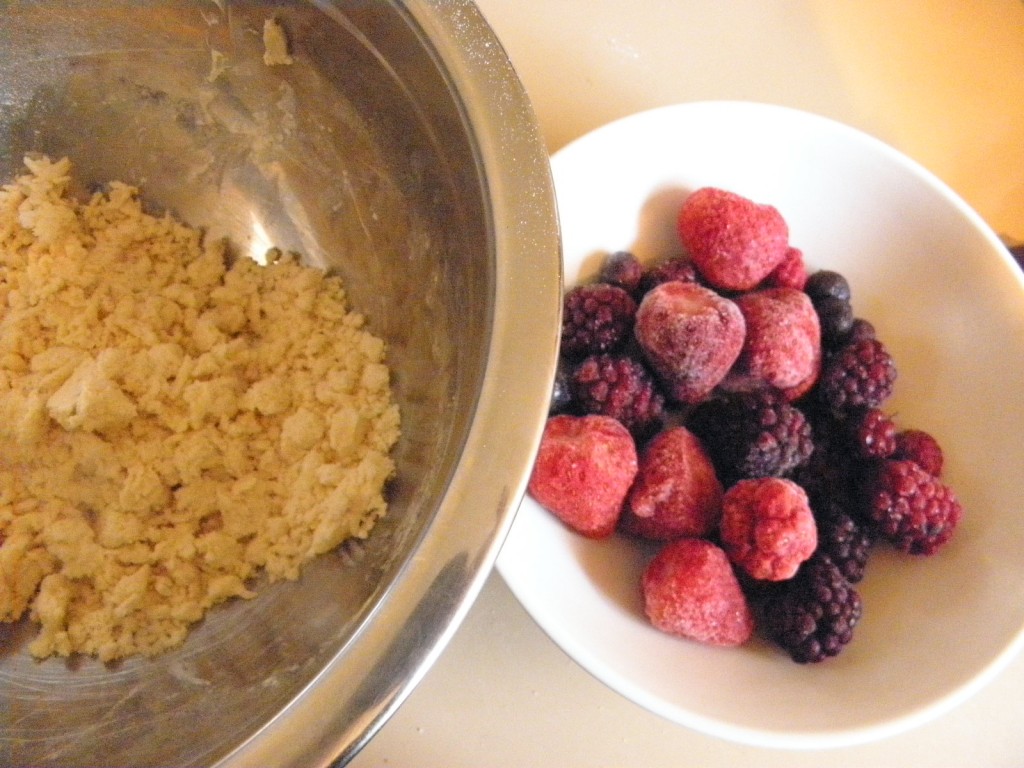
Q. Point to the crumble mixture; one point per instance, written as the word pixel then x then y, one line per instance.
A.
pixel 172 424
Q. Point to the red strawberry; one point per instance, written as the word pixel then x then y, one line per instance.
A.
pixel 676 491
pixel 690 335
pixel 583 471
pixel 690 589
pixel 734 242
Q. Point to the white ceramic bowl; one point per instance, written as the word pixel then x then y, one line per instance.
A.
pixel 949 303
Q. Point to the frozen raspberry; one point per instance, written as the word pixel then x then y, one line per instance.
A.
pixel 734 242
pixel 690 590
pixel 676 491
pixel 782 348
pixel 691 337
pixel 755 434
pixel 620 387
pixel 677 268
pixel 873 433
pixel 911 508
pixel 623 269
pixel 845 539
pixel 860 375
pixel 790 273
pixel 596 318
pixel 767 527
pixel 583 471
pixel 812 616
pixel 920 447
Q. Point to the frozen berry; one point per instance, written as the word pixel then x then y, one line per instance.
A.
pixel 755 434
pixel 836 318
pixel 767 527
pixel 596 318
pixel 790 273
pixel 873 433
pixel 620 387
pixel 920 447
pixel 826 283
pixel 690 335
pixel 812 616
pixel 583 471
pixel 624 270
pixel 734 242
pixel 676 491
pixel 677 268
pixel 782 348
pixel 845 539
pixel 859 375
pixel 861 329
pixel 689 589
pixel 911 508
pixel 561 396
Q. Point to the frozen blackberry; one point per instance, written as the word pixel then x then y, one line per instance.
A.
pixel 620 387
pixel 859 330
pixel 677 268
pixel 872 433
pixel 911 508
pixel 812 616
pixel 825 283
pixel 596 318
pixel 835 316
pixel 752 434
pixel 859 375
pixel 920 447
pixel 623 269
pixel 844 538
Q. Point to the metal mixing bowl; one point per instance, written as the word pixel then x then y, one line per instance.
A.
pixel 399 150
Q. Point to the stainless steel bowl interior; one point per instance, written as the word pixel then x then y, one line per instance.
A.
pixel 398 150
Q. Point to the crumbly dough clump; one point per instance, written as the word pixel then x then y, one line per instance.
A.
pixel 171 424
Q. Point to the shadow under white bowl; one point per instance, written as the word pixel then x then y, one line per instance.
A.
pixel 949 303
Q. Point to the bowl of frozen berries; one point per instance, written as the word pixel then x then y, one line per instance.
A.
pixel 777 497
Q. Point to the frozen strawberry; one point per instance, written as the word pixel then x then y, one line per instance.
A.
pixel 583 471
pixel 676 491
pixel 782 348
pixel 734 242
pixel 767 527
pixel 690 335
pixel 690 590
pixel 790 273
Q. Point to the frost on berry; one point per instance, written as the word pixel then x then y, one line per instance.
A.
pixel 583 471
pixel 689 589
pixel 767 527
pixel 734 242
pixel 782 348
pixel 676 491
pixel 690 335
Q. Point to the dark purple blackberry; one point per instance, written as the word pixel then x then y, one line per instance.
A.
pixel 623 269
pixel 844 538
pixel 859 375
pixel 920 447
pixel 825 283
pixel 596 318
pixel 620 387
pixel 752 434
pixel 861 329
pixel 677 268
pixel 836 318
pixel 872 433
pixel 812 616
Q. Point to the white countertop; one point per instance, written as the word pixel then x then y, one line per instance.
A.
pixel 941 80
